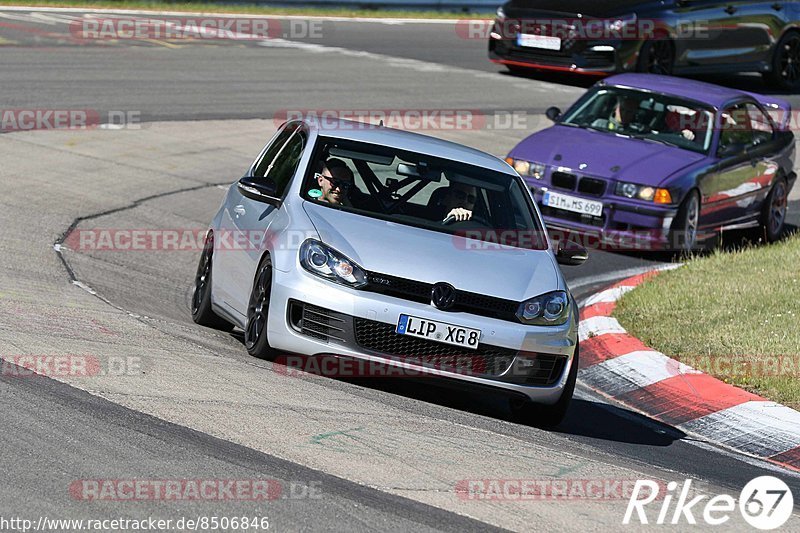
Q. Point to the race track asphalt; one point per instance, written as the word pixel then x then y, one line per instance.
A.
pixel 387 454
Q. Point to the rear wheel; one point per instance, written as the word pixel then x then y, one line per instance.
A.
pixel 201 297
pixel 773 214
pixel 683 235
pixel 785 73
pixel 657 56
pixel 532 414
pixel 255 332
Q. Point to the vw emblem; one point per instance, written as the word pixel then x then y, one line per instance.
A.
pixel 582 166
pixel 443 296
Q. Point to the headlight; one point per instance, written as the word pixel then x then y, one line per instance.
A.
pixel 643 192
pixel 527 168
pixel 551 309
pixel 327 263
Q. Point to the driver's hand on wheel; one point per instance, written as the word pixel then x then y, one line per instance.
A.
pixel 688 135
pixel 459 214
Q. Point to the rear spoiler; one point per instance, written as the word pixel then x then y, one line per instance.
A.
pixel 780 110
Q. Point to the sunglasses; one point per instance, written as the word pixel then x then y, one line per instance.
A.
pixel 336 184
pixel 462 196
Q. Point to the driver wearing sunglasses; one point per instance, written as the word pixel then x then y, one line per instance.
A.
pixel 335 180
pixel 458 201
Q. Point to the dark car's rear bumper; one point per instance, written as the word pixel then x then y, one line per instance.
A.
pixel 596 58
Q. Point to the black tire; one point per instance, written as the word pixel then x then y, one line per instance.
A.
pixel 773 214
pixel 547 416
pixel 201 296
pixel 255 331
pixel 785 72
pixel 657 56
pixel 683 234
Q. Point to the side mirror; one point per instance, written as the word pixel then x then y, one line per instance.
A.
pixel 260 190
pixel 553 113
pixel 571 253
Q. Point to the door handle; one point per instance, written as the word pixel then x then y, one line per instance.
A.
pixel 730 10
pixel 240 211
pixel 777 6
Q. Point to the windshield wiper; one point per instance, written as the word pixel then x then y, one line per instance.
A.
pixel 655 140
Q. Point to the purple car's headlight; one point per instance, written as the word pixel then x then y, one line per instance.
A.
pixel 643 192
pixel 527 168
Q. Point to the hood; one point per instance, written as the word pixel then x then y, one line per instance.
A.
pixel 428 256
pixel 591 8
pixel 609 156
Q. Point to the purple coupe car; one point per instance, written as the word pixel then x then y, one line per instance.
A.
pixel 654 162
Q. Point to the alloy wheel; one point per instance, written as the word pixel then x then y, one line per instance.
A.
pixel 258 307
pixel 789 60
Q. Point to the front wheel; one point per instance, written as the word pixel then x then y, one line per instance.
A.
pixel 201 297
pixel 529 413
pixel 785 71
pixel 683 235
pixel 773 214
pixel 255 332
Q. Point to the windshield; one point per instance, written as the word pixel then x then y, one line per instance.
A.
pixel 423 191
pixel 643 115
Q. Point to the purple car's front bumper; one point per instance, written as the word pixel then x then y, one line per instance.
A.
pixel 624 224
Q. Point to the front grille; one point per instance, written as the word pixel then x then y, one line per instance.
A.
pixel 592 186
pixel 316 322
pixel 466 302
pixel 382 338
pixel 563 214
pixel 563 180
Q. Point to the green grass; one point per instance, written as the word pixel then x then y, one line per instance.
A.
pixel 735 315
pixel 250 9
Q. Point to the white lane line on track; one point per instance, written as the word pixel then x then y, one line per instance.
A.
pixel 112 11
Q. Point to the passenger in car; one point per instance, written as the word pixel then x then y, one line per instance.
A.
pixel 335 181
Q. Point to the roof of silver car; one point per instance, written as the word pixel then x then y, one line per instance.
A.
pixel 406 140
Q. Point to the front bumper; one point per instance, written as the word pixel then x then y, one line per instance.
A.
pixel 381 313
pixel 624 225
pixel 596 58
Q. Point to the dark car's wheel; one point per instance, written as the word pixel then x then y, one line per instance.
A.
pixel 529 413
pixel 657 56
pixel 201 298
pixel 773 214
pixel 683 235
pixel 255 332
pixel 785 73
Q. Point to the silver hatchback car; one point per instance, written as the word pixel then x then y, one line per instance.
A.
pixel 359 242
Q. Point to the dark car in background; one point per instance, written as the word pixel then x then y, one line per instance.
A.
pixel 656 162
pixel 661 37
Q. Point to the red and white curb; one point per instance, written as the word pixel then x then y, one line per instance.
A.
pixel 619 366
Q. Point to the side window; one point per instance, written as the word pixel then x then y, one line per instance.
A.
pixel 263 166
pixel 285 163
pixel 759 123
pixel 735 128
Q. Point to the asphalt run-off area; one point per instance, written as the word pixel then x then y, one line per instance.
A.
pixel 170 420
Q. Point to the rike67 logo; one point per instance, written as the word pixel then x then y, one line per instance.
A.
pixel 765 503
